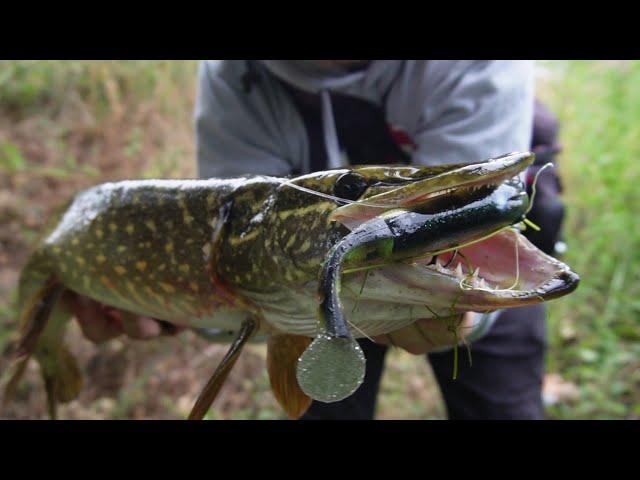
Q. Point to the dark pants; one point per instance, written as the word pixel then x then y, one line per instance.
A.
pixel 505 381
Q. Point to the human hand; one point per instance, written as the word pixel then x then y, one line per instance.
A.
pixel 426 335
pixel 100 322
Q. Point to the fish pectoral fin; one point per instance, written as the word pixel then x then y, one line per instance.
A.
pixel 283 352
pixel 213 386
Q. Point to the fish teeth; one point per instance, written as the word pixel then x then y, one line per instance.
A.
pixel 459 271
pixel 476 272
pixel 482 283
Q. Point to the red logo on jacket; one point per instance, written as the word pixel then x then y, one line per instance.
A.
pixel 402 139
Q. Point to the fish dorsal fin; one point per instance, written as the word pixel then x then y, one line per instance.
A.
pixel 283 352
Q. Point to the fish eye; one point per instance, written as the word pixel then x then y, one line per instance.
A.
pixel 350 186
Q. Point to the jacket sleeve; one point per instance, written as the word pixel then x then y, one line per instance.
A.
pixel 474 110
pixel 243 131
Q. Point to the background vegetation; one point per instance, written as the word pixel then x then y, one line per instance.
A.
pixel 67 125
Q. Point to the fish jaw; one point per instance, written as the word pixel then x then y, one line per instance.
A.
pixel 389 297
pixel 447 285
pixel 419 192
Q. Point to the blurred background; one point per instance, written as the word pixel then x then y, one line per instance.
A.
pixel 66 125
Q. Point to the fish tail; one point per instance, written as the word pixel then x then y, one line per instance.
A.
pixel 36 315
pixel 62 378
pixel 43 320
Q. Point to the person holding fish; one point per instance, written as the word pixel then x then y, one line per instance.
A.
pixel 277 117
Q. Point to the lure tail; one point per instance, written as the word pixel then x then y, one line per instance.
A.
pixel 332 367
pixel 42 321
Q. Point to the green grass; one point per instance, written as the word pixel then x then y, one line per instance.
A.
pixel 595 332
pixel 28 87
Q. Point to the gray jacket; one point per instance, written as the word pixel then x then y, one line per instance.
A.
pixel 453 111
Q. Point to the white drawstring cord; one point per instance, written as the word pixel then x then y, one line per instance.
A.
pixel 334 159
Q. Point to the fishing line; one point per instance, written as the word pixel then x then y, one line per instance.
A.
pixel 452 309
pixel 428 254
pixel 468 287
pixel 354 326
pixel 462 245
pixel 432 311
pixel 435 315
pixel 529 223
pixel 465 342
pixel 455 253
pixel 533 185
pixel 468 262
pixel 456 339
pixel 366 268
pixel 454 330
pixel 331 197
pixel 346 201
pixel 426 337
pixel 377 205
pixel 526 221
pixel 462 285
pixel 357 302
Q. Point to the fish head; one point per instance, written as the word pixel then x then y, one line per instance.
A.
pixel 448 238
pixel 473 258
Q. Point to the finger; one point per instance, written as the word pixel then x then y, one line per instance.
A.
pixel 97 324
pixel 417 338
pixel 408 338
pixel 468 323
pixel 140 328
pixel 423 336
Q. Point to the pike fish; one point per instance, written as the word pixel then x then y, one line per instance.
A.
pixel 309 263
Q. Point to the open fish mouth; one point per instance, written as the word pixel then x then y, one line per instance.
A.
pixel 482 277
pixel 446 241
pixel 413 191
pixel 504 270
